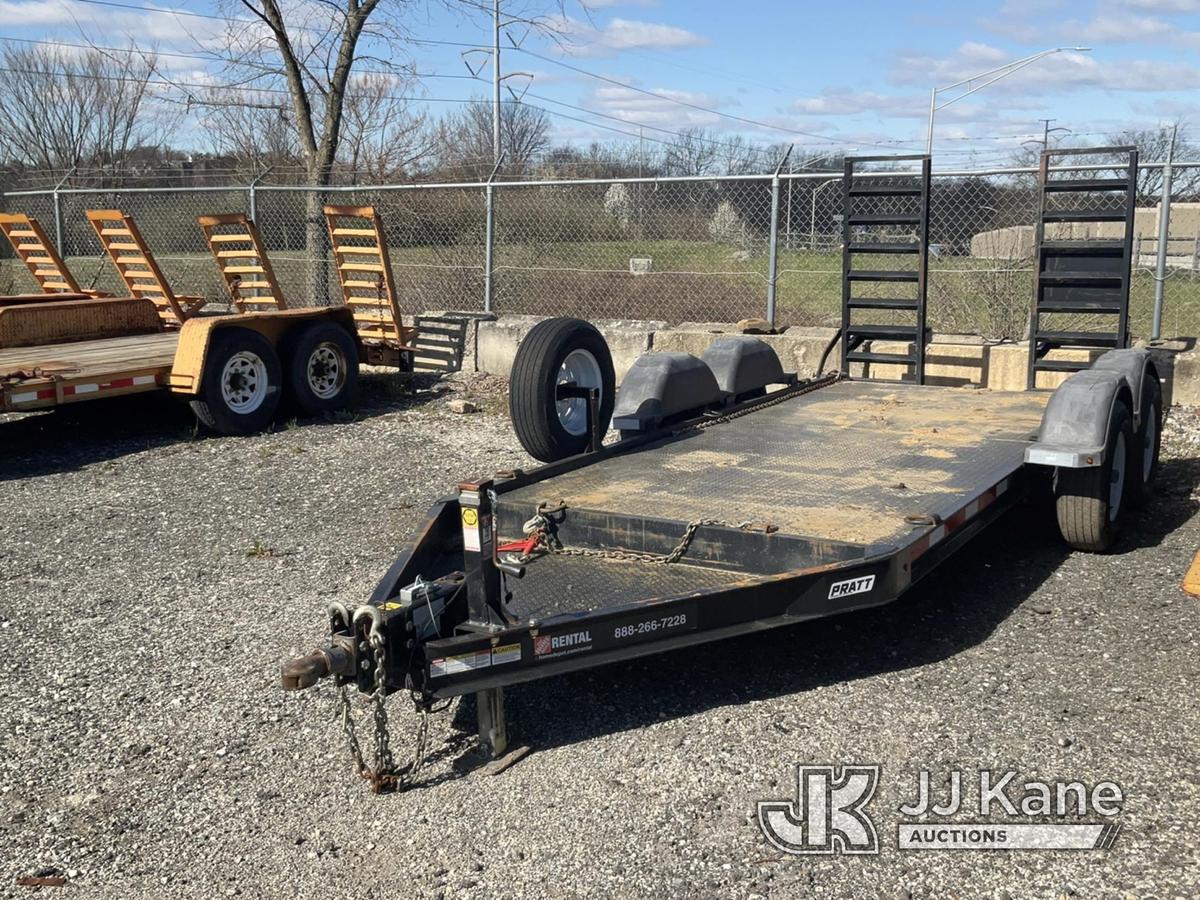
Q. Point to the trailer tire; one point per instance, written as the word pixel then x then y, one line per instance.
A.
pixel 1149 438
pixel 556 351
pixel 1091 503
pixel 240 390
pixel 322 369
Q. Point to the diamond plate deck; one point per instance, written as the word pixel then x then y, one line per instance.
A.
pixel 845 463
pixel 559 584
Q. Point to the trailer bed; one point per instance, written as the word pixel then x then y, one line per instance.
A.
pixel 847 469
pixel 109 366
pixel 845 463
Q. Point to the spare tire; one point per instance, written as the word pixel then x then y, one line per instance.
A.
pixel 559 351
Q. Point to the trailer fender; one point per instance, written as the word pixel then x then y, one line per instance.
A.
pixel 1074 426
pixel 744 366
pixel 196 336
pixel 664 386
pixel 1135 364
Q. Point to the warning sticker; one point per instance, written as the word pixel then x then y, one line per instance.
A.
pixel 506 653
pixel 463 662
pixel 470 526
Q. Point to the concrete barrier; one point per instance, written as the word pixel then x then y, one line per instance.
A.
pixel 496 342
pixel 949 359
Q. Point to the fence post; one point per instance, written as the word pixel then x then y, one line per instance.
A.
pixel 252 191
pixel 1164 235
pixel 489 236
pixel 773 246
pixel 58 220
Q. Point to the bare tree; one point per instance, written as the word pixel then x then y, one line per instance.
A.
pixel 694 152
pixel 1154 145
pixel 311 50
pixel 465 137
pixel 257 135
pixel 60 110
pixel 383 136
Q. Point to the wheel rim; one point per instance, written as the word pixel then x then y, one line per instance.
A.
pixel 244 382
pixel 1149 440
pixel 326 370
pixel 1116 485
pixel 581 367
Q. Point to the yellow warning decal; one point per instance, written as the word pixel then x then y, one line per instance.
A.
pixel 470 517
pixel 391 605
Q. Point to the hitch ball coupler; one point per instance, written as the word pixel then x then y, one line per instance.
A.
pixel 305 671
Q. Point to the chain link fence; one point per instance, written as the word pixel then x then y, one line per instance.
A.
pixel 671 249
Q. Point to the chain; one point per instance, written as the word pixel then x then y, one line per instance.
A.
pixel 773 400
pixel 639 556
pixel 384 775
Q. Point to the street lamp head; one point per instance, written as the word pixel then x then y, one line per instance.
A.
pixel 1081 49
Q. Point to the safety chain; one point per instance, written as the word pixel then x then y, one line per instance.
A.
pixel 384 775
pixel 775 399
pixel 542 527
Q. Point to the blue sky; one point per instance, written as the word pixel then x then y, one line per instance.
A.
pixel 856 75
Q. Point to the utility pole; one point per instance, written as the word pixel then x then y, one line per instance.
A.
pixel 495 82
pixel 1164 236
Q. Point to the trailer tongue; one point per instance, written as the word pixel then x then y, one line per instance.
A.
pixel 737 500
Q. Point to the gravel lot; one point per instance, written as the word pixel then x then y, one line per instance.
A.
pixel 151 582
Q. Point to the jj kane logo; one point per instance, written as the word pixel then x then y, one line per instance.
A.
pixel 560 644
pixel 829 814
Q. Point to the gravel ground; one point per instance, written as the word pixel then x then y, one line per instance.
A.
pixel 151 582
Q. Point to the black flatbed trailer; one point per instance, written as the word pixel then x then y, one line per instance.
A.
pixel 738 499
pixel 846 493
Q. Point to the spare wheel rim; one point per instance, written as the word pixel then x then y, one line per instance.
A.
pixel 244 382
pixel 580 367
pixel 1116 485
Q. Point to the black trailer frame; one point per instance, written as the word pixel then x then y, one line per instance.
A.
pixel 845 491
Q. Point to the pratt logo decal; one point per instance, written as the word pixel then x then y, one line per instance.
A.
pixel 559 644
pixel 851 586
pixel 470 517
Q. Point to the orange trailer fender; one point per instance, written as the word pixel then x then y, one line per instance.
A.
pixel 196 335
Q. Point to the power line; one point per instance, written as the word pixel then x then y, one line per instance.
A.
pixel 696 106
pixel 217 59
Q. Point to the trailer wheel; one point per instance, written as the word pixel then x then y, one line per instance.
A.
pixel 322 369
pixel 558 351
pixel 240 390
pixel 1091 503
pixel 1149 438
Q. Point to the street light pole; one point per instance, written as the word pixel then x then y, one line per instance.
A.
pixel 496 82
pixel 992 76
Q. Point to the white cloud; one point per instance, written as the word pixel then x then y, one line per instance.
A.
pixel 660 110
pixel 1164 6
pixel 161 24
pixel 601 4
pixel 584 39
pixel 1058 73
pixel 1128 29
pixel 623 34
